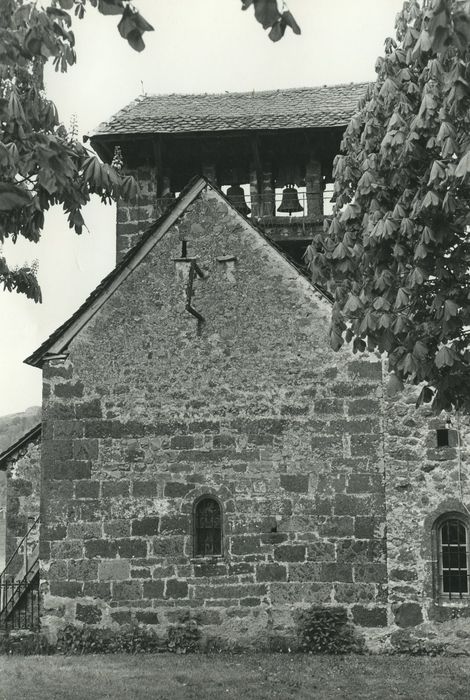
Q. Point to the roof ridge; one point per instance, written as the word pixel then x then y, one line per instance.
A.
pixel 254 91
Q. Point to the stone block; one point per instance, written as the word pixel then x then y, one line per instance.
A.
pixel 176 589
pixel 68 429
pixel 361 551
pixel 145 526
pixel 203 426
pixel 66 589
pixel 153 589
pixel 87 489
pixel 348 593
pixel 177 524
pixel 403 575
pixel 90 614
pixel 408 615
pixel 111 489
pixel 369 617
pixel 336 526
pixel 182 442
pixel 335 572
pixel 131 548
pixel 368 527
pixel 86 448
pixel 53 452
pixel 321 551
pixel 113 570
pixel 168 546
pixel 141 572
pixel 296 483
pixel 224 440
pixel 147 617
pixel 117 528
pixel 88 409
pixel 210 569
pixel 83 570
pixel 96 589
pixel 53 531
pixel 271 572
pixel 365 446
pixel 67 549
pixel 69 390
pixel 247 544
pixel 250 602
pixel 333 406
pixel 127 590
pixel 177 489
pixel 59 411
pixel 273 537
pixel 145 489
pixel 103 549
pixel 364 406
pixel 365 483
pixel 346 504
pixel 372 573
pixel 84 531
pixel 122 617
pixel 290 552
pixel 57 570
pixel 52 370
pixel 69 469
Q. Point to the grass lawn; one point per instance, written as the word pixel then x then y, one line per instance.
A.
pixel 250 677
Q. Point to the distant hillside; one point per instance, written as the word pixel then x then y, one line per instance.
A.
pixel 15 425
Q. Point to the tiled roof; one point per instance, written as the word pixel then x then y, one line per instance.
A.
pixel 295 108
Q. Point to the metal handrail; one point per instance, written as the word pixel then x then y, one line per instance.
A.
pixel 25 538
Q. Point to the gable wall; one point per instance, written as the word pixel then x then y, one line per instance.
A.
pixel 146 415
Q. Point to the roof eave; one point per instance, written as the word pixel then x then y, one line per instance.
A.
pixel 22 442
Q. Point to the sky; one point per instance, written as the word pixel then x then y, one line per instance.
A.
pixel 197 46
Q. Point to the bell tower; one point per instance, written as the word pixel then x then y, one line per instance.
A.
pixel 271 154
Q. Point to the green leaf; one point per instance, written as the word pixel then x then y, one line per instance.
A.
pixel 463 167
pixel 13 197
pixel 445 357
pixel 450 309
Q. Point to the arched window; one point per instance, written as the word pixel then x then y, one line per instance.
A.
pixel 453 557
pixel 207 527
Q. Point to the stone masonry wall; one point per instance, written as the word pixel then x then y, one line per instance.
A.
pixel 133 218
pixel 423 481
pixel 150 412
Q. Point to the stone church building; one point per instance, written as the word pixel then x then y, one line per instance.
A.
pixel 203 453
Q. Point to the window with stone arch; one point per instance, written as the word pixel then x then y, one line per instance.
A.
pixel 453 565
pixel 207 527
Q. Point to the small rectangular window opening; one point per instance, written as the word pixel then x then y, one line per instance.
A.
pixel 442 437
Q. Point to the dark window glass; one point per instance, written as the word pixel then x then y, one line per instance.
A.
pixel 453 558
pixel 208 528
pixel 442 437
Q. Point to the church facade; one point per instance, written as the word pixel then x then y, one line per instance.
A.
pixel 205 455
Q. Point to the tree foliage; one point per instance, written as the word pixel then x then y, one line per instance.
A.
pixel 40 163
pixel 396 253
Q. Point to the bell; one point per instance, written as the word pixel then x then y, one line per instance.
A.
pixel 290 201
pixel 236 197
